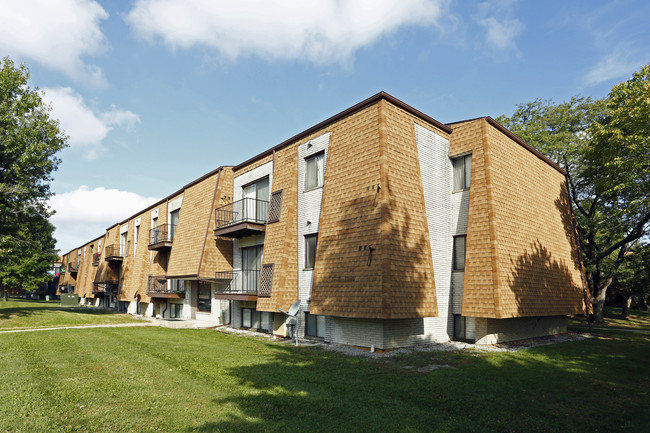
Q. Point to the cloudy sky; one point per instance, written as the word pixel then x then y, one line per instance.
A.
pixel 155 93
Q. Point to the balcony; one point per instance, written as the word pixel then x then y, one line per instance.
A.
pixel 96 257
pixel 242 286
pixel 241 218
pixel 157 287
pixel 114 253
pixel 73 269
pixel 161 237
pixel 105 287
pixel 69 288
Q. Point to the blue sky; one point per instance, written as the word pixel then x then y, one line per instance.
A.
pixel 156 93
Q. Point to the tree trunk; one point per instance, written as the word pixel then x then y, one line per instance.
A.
pixel 600 292
pixel 4 292
pixel 626 306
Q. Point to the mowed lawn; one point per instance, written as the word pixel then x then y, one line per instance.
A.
pixel 181 380
pixel 25 314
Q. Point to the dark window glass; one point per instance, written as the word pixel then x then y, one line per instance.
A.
pixel 459 253
pixel 310 250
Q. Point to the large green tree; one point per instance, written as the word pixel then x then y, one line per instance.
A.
pixel 604 145
pixel 29 142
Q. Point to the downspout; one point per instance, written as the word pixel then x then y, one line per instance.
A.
pixel 166 307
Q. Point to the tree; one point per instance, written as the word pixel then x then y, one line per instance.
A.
pixel 633 277
pixel 603 145
pixel 29 141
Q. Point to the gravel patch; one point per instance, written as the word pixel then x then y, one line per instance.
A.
pixel 457 345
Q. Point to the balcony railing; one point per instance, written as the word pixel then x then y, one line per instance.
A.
pixel 110 287
pixel 73 267
pixel 114 252
pixel 96 257
pixel 244 282
pixel 157 286
pixel 161 237
pixel 241 218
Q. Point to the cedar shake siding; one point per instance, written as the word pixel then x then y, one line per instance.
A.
pixel 389 227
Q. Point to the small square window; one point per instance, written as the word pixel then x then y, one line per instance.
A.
pixel 462 172
pixel 314 172
pixel 310 250
pixel 459 252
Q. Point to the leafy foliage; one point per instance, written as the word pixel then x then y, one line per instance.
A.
pixel 29 141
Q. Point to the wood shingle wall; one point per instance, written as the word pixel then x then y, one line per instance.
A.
pixel 280 241
pixel 217 253
pixel 521 255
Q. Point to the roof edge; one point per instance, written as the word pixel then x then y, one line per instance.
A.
pixel 505 131
pixel 357 107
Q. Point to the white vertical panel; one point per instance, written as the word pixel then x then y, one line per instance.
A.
pixel 437 173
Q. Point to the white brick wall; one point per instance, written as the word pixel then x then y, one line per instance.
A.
pixel 436 173
pixel 309 208
pixel 491 331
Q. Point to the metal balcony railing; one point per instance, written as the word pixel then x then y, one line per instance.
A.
pixel 73 267
pixel 114 251
pixel 246 210
pixel 245 282
pixel 162 233
pixel 106 287
pixel 158 285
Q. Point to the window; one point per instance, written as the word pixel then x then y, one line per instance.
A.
pixel 176 311
pixel 256 200
pixel 246 317
pixel 205 296
pixel 314 173
pixel 315 326
pixel 310 250
pixel 251 265
pixel 459 252
pixel 122 243
pixel 135 239
pixel 462 172
pixel 173 218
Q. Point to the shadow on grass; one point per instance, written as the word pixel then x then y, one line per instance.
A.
pixel 564 387
pixel 9 313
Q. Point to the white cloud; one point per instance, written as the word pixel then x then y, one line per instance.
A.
pixel 501 29
pixel 501 34
pixel 56 34
pixel 85 213
pixel 86 129
pixel 615 65
pixel 321 32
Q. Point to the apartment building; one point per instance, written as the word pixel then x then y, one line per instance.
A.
pixel 389 227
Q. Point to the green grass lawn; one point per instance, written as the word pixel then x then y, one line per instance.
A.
pixel 637 319
pixel 182 380
pixel 26 314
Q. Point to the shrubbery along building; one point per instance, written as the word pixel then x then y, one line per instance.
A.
pixel 390 227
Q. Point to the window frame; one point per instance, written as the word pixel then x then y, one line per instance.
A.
pixel 320 180
pixel 455 266
pixel 467 172
pixel 315 319
pixel 308 237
